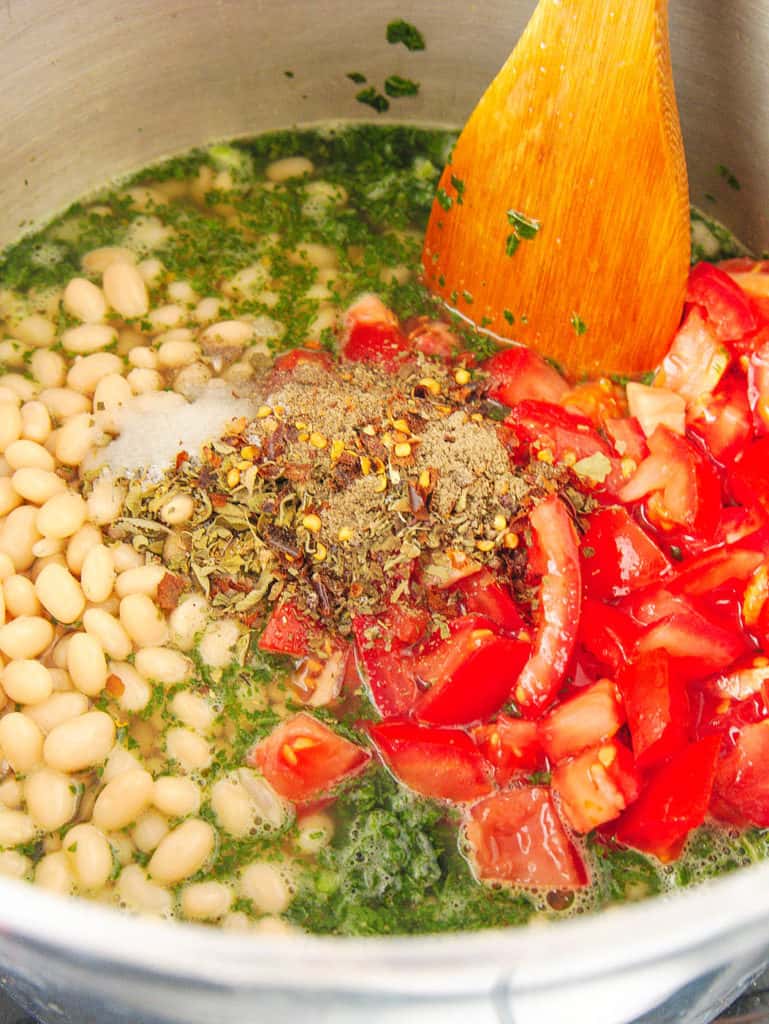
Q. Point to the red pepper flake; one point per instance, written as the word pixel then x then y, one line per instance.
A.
pixel 169 591
pixel 181 458
pixel 114 685
pixel 218 500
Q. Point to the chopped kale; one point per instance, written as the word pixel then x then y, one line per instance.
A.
pixel 374 99
pixel 396 86
pixel 400 31
pixel 357 77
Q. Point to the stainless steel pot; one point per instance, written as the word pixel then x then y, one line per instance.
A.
pixel 96 88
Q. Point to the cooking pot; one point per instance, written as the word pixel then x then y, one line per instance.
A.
pixel 97 88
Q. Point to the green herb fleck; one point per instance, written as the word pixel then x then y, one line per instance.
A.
pixel 396 86
pixel 357 77
pixel 401 31
pixel 373 99
pixel 729 177
pixel 511 245
pixel 508 315
pixel 526 228
pixel 459 185
pixel 468 297
pixel 444 199
pixel 289 74
pixel 579 325
pixel 676 552
pixel 588 552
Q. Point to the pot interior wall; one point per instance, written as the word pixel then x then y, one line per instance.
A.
pixel 98 88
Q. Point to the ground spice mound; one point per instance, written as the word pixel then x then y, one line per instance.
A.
pixel 344 479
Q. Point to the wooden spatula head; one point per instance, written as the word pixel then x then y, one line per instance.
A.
pixel 562 218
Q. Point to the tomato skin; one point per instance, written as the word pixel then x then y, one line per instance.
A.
pixel 657 708
pixel 726 305
pixel 560 599
pixel 287 362
pixel 628 438
pixel 289 631
pixel 376 343
pixel 443 764
pixel 434 338
pixel 749 476
pixel 608 634
pixel 590 717
pixel 478 687
pixel 303 759
pixel 516 837
pixel 722 424
pixel 518 372
pixel 484 595
pixel 386 667
pixel 698 646
pixel 729 563
pixel 673 802
pixel 510 745
pixel 742 779
pixel 624 557
pixel 407 625
pixel 596 786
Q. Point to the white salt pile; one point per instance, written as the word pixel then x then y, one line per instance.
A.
pixel 155 427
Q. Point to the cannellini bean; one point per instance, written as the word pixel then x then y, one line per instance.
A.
pixel 174 354
pixel 58 656
pixel 151 271
pixel 18 535
pixel 144 381
pixel 207 309
pixel 13 353
pixel 187 620
pixel 37 485
pixel 142 895
pixel 86 664
pixel 53 873
pixel 232 806
pixel 10 423
pixel 25 637
pixel 182 852
pixel 20 597
pixel 88 338
pixel 126 557
pixel 143 357
pixel 108 631
pixel 51 798
pixel 97 575
pixel 24 453
pixel 265 885
pixel 88 372
pixel 36 422
pixel 112 392
pixel 191 751
pixel 176 796
pixel 205 901
pixel 79 743
pixel 9 497
pixel 26 682
pixel 142 580
pixel 177 510
pixel 192 379
pixel 167 316
pixel 163 665
pixel 143 621
pixel 6 567
pixel 21 742
pixel 62 403
pixel 62 515
pixel 75 438
pixel 11 793
pixel 315 832
pixel 289 167
pixel 90 856
pixel 125 290
pixel 192 709
pixel 35 330
pixel 105 502
pixel 85 300
pixel 229 333
pixel 21 387
pixel 61 680
pixel 60 707
pixel 136 691
pixel 149 831
pixel 97 260
pixel 48 368
pixel 218 642
pixel 60 593
pixel 14 864
pixel 119 761
pixel 80 544
pixel 123 799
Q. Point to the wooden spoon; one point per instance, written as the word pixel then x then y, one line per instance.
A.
pixel 562 218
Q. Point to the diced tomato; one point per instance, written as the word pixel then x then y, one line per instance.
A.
pixel 722 423
pixel 699 646
pixel 434 338
pixel 287 362
pixel 749 476
pixel 758 384
pixel 726 306
pixel 726 564
pixel 372 334
pixel 485 595
pixel 742 779
pixel 696 361
pixel 407 625
pixel 627 437
pixel 386 667
pixel 289 631
pixel 596 786
pixel 742 681
pixel 560 598
pixel 673 802
pixel 471 673
pixel 518 372
pixel 608 634
pixel 441 763
pixel 592 716
pixel 599 400
pixel 510 745
pixel 516 837
pixel 657 707
pixel 656 406
pixel 685 491
pixel 302 758
pixel 622 556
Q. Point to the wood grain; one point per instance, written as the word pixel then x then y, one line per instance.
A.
pixel 580 132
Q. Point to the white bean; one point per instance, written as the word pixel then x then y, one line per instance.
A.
pixel 61 680
pixel 62 403
pixel 53 873
pixel 182 852
pixel 232 806
pixel 218 642
pixel 97 260
pixel 125 290
pixel 51 798
pixel 88 338
pixel 88 372
pixel 112 392
pixel 315 832
pixel 75 438
pixel 35 330
pixel 90 856
pixel 187 620
pixel 143 357
pixel 149 831
pixel 194 710
pixel 105 502
pixel 21 742
pixel 60 593
pixel 24 453
pixel 136 691
pixel 177 510
pixel 123 799
pixel 142 580
pixel 18 536
pixel 26 682
pixel 20 597
pixel 174 354
pixel 9 496
pixel 60 707
pixel 25 637
pixel 21 387
pixel 6 567
pixel 144 381
pixel 266 887
pixel 108 631
pixel 36 422
pixel 11 793
pixel 86 664
pixel 289 167
pixel 176 796
pixel 10 423
pixel 14 864
pixel 37 485
pixel 80 544
pixel 79 743
pixel 167 316
pixel 189 749
pixel 119 761
pixel 163 665
pixel 84 300
pixel 126 557
pixel 143 621
pixel 97 576
pixel 48 368
pixel 62 515
pixel 140 894
pixel 206 901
